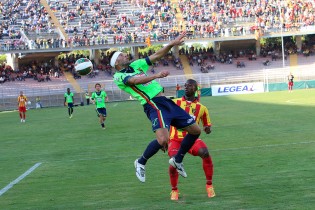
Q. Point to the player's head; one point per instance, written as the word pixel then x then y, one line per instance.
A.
pixel 119 60
pixel 68 90
pixel 98 86
pixel 21 93
pixel 190 87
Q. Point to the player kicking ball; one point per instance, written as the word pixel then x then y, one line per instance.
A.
pixel 192 106
pixel 98 98
pixel 132 77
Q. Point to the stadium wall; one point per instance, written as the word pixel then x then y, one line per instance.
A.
pixel 284 86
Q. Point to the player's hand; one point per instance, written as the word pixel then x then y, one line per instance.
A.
pixel 164 149
pixel 180 40
pixel 207 129
pixel 163 74
pixel 65 104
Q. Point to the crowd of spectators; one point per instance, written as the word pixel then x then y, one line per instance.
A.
pixel 110 22
pixel 22 16
pixel 41 72
pixel 225 18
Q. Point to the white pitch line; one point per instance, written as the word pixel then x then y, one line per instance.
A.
pixel 17 180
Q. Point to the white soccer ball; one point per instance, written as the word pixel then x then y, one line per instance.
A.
pixel 83 66
pixel 29 103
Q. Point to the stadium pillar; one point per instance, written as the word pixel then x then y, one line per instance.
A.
pixel 92 54
pixel 135 52
pixel 298 42
pixel 216 48
pixel 258 47
pixel 13 60
pixel 175 51
pixel 97 56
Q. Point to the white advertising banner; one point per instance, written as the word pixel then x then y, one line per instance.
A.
pixel 242 88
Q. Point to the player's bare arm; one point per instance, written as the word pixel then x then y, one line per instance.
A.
pixel 146 79
pixel 162 52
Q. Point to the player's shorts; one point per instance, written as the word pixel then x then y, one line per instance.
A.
pixel 70 105
pixel 174 145
pixel 163 112
pixel 101 111
pixel 290 83
pixel 22 109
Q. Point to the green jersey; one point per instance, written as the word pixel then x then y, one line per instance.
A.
pixel 143 92
pixel 99 98
pixel 69 97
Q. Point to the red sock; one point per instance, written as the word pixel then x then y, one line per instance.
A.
pixel 24 116
pixel 20 115
pixel 208 169
pixel 173 177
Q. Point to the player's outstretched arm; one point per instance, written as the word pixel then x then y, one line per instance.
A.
pixel 162 52
pixel 146 79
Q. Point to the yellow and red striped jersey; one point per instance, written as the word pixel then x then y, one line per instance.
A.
pixel 22 100
pixel 198 111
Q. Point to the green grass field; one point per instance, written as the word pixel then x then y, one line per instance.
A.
pixel 262 145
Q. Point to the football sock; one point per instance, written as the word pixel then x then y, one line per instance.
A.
pixel 69 111
pixel 185 146
pixel 102 124
pixel 173 177
pixel 21 115
pixel 151 150
pixel 24 116
pixel 208 169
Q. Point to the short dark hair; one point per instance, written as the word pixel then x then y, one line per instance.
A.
pixel 111 55
pixel 98 84
pixel 194 82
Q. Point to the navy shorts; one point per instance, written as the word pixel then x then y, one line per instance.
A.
pixel 70 105
pixel 163 112
pixel 101 111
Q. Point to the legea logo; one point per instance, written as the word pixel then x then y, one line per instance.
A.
pixel 238 88
pixel 242 88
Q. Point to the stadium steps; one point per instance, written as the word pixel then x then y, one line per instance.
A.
pixel 179 15
pixel 187 69
pixel 293 62
pixel 73 82
pixel 53 18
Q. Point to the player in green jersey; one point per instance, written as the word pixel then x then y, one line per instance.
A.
pixel 98 98
pixel 69 101
pixel 131 77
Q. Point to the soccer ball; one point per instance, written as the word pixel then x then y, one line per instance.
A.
pixel 83 66
pixel 29 103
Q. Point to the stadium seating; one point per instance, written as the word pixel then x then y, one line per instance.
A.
pixel 27 24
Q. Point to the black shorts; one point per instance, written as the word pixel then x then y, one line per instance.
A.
pixel 70 105
pixel 101 111
pixel 163 112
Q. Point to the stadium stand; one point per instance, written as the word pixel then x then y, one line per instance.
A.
pixel 27 24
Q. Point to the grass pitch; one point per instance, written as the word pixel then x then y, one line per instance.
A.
pixel 262 145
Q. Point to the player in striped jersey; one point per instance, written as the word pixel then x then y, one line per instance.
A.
pixel 192 106
pixel 22 100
